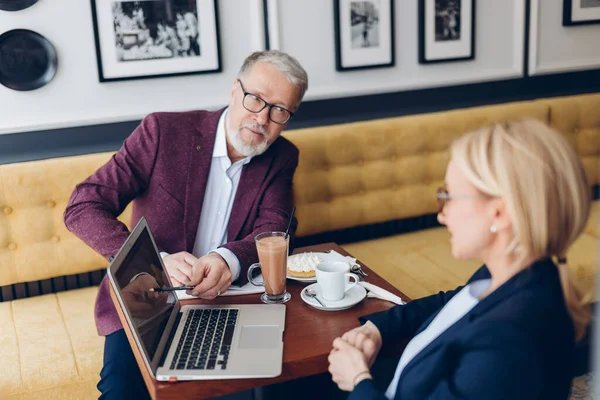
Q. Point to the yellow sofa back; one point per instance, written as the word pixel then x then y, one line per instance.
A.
pixel 368 172
pixel 578 118
pixel 349 175
pixel 34 242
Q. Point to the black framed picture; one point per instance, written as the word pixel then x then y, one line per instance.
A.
pixel 446 30
pixel 155 38
pixel 581 12
pixel 364 34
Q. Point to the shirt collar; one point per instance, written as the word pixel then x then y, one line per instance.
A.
pixel 220 149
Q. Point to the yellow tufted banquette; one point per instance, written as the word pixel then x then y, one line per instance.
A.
pixel 369 172
pixel 349 175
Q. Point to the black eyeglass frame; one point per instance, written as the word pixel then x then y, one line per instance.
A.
pixel 264 106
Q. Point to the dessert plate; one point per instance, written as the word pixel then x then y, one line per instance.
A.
pixel 322 256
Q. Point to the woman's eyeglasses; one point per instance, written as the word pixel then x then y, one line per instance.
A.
pixel 443 197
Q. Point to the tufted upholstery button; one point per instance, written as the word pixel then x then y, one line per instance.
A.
pixel 51 204
pixel 7 210
pixel 55 239
pixel 12 246
pixel 198 147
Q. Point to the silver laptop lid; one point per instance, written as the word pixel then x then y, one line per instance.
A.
pixel 136 268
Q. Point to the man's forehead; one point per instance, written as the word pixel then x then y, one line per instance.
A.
pixel 274 90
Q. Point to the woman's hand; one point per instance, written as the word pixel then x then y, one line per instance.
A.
pixel 348 365
pixel 358 337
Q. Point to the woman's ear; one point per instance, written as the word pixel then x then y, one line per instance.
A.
pixel 501 218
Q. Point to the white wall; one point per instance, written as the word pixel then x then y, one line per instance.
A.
pixel 75 97
pixel 554 48
pixel 498 53
pixel 306 30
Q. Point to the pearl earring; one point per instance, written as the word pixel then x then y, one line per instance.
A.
pixel 493 229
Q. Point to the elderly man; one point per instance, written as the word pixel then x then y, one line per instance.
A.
pixel 207 182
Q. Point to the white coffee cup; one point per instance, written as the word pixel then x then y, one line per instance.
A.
pixel 333 278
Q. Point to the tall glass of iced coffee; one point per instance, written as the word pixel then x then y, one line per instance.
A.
pixel 272 250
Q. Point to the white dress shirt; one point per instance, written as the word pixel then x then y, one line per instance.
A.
pixel 222 185
pixel 455 309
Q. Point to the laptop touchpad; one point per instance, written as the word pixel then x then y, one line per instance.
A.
pixel 259 337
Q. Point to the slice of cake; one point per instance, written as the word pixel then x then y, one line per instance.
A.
pixel 303 265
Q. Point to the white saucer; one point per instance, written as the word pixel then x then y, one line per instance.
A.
pixel 323 257
pixel 353 297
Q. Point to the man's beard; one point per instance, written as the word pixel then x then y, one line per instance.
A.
pixel 245 149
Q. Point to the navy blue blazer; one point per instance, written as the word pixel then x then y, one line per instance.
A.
pixel 517 343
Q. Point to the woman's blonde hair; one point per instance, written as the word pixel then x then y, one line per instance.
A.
pixel 541 179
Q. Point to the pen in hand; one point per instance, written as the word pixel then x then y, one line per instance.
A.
pixel 170 289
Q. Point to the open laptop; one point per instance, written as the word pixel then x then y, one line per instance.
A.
pixel 191 342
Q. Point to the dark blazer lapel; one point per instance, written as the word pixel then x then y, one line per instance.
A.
pixel 201 150
pixel 251 181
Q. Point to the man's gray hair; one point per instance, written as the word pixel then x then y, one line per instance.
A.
pixel 286 64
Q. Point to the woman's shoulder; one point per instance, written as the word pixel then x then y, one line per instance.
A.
pixel 530 311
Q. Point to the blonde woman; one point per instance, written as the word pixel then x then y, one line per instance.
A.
pixel 516 196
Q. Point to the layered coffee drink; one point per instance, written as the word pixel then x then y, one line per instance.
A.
pixel 272 254
pixel 272 248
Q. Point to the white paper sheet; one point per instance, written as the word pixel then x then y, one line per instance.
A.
pixel 233 290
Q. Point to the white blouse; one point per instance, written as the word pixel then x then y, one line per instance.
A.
pixel 455 309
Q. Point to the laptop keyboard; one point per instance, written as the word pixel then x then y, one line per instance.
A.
pixel 206 339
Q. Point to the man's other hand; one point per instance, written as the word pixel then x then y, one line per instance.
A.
pixel 179 267
pixel 211 276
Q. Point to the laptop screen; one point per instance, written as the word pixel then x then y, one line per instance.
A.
pixel 148 311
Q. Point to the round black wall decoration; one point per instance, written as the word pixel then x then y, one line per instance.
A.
pixel 16 5
pixel 27 60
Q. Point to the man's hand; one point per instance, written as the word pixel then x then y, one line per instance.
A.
pixel 179 267
pixel 365 338
pixel 211 276
pixel 347 364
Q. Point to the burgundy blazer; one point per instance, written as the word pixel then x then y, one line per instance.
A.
pixel 163 168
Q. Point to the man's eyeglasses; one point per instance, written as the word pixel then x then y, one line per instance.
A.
pixel 443 197
pixel 255 104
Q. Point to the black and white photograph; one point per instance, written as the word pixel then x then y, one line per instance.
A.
pixel 364 19
pixel 447 20
pixel 364 34
pixel 446 30
pixel 146 30
pixel 155 38
pixel 581 12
